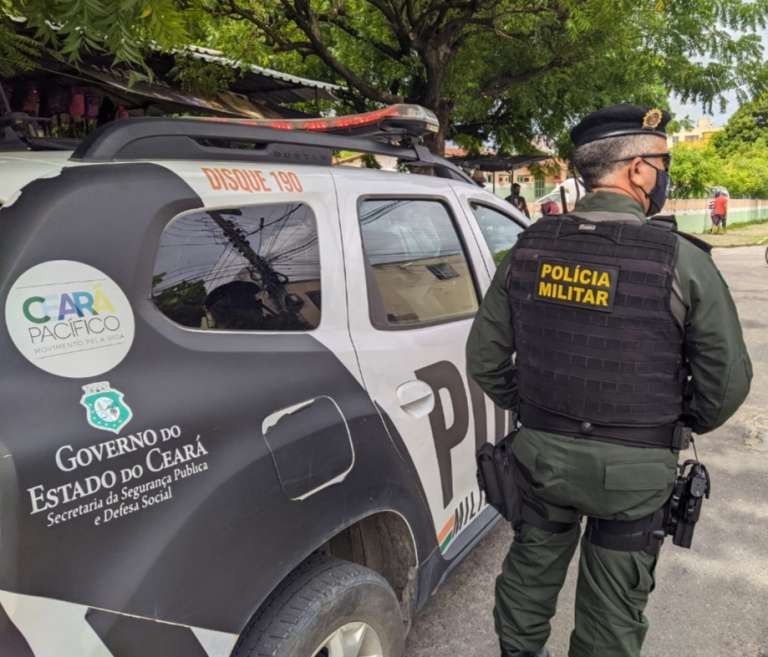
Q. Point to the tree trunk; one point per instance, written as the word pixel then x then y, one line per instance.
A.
pixel 444 112
pixel 436 140
pixel 435 58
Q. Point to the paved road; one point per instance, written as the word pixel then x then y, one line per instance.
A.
pixel 711 601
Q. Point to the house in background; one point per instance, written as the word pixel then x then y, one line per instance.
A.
pixel 704 131
pixel 537 175
pixel 535 185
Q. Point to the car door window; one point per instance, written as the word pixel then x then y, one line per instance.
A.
pixel 499 230
pixel 418 271
pixel 255 268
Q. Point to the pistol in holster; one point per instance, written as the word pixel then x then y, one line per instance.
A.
pixel 691 487
pixel 496 476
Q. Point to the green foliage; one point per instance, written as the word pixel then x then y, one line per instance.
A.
pixel 505 71
pixel 181 302
pixel 736 158
pixel 695 169
pixel 745 173
pixel 201 77
pixel 499 256
pixel 748 127
pixel 124 28
pixel 370 161
pixel 17 53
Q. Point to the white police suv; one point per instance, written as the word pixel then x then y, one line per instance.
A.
pixel 236 418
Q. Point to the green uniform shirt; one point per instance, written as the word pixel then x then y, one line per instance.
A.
pixel 714 345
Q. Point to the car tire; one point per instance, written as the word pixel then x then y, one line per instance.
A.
pixel 323 607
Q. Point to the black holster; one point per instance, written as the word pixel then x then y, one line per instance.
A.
pixel 497 478
pixel 692 486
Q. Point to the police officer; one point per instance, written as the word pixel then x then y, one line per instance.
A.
pixel 606 333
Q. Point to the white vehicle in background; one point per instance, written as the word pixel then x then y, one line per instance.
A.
pixel 572 188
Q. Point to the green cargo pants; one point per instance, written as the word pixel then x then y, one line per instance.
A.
pixel 574 478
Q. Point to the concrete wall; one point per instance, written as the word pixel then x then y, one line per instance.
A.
pixel 693 215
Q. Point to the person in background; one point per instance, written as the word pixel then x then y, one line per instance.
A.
pixel 720 211
pixel 711 208
pixel 549 209
pixel 479 177
pixel 516 199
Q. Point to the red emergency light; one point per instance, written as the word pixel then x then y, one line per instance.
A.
pixel 413 120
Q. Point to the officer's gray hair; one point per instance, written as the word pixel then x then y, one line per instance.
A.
pixel 596 160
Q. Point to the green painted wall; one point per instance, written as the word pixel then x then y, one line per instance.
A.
pixel 699 222
pixel 689 221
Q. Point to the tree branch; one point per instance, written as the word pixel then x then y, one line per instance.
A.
pixel 233 10
pixel 410 11
pixel 300 12
pixel 503 80
pixel 490 21
pixel 394 16
pixel 442 8
pixel 382 47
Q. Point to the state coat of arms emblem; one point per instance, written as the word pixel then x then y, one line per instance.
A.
pixel 105 407
pixel 652 119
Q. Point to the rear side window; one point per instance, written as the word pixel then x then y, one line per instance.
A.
pixel 418 272
pixel 255 268
pixel 499 230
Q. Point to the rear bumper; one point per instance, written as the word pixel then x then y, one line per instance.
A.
pixel 32 626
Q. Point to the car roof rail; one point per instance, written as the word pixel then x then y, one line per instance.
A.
pixel 300 141
pixel 10 140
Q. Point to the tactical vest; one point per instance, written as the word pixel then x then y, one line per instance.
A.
pixel 599 353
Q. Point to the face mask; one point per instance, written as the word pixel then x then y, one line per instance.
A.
pixel 660 192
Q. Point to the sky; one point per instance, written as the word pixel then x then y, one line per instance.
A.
pixel 695 111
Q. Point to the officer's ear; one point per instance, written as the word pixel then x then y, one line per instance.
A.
pixel 638 173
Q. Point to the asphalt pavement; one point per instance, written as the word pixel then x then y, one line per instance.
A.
pixel 710 601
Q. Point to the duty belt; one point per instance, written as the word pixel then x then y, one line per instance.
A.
pixel 675 436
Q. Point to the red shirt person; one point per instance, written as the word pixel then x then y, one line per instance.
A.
pixel 720 209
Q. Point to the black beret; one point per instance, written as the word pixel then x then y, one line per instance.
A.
pixel 620 120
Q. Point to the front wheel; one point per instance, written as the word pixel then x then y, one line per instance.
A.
pixel 327 608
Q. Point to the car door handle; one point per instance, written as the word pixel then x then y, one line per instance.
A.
pixel 416 398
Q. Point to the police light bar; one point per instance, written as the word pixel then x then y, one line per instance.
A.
pixel 402 119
